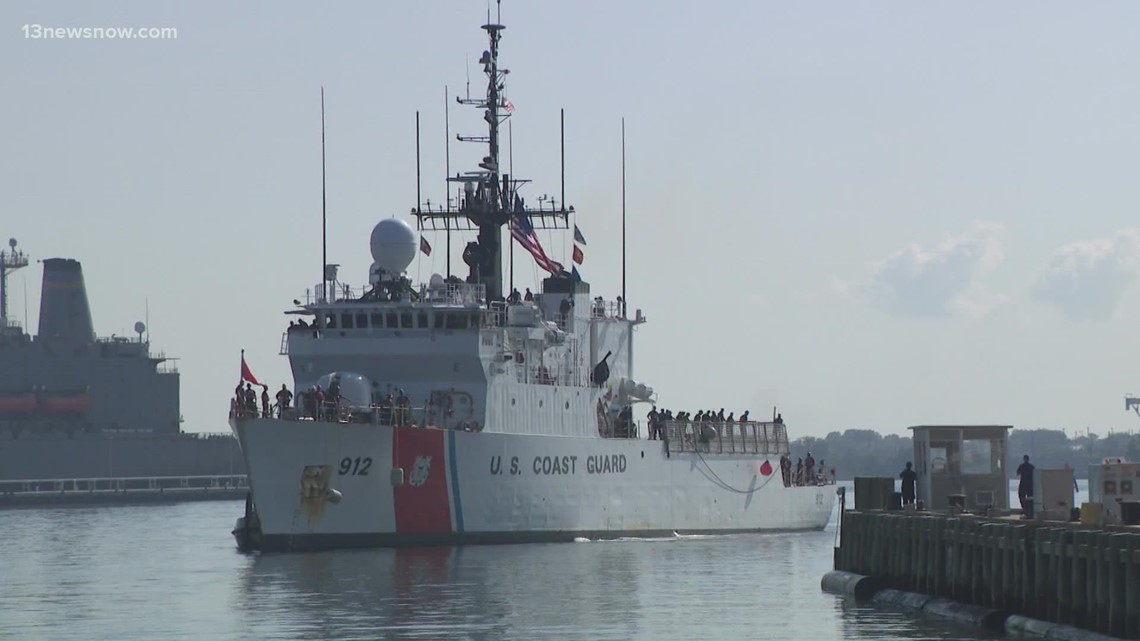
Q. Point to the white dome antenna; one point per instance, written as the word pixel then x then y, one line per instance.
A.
pixel 393 246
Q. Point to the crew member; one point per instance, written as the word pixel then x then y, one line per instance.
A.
pixel 909 478
pixel 1025 486
pixel 284 397
pixel 564 310
pixel 250 399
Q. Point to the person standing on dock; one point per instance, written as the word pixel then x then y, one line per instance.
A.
pixel 909 479
pixel 1025 486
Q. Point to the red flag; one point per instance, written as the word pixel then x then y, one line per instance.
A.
pixel 766 468
pixel 578 255
pixel 247 375
pixel 424 246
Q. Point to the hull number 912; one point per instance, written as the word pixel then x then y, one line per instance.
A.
pixel 355 466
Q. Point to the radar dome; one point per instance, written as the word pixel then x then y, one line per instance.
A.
pixel 140 327
pixel 393 245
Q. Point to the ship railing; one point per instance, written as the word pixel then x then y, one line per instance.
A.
pixel 564 374
pixel 443 294
pixel 207 482
pixel 376 414
pixel 613 427
pixel 607 309
pixel 454 293
pixel 339 291
pixel 723 437
pixel 208 435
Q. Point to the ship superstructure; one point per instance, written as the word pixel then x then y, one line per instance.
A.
pixel 448 412
pixel 74 405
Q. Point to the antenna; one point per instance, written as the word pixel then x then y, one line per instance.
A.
pixel 418 200
pixel 562 144
pixel 562 148
pixel 10 261
pixel 447 171
pixel 324 207
pixel 484 200
pixel 511 169
pixel 624 300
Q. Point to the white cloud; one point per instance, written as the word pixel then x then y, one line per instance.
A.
pixel 1087 279
pixel 943 280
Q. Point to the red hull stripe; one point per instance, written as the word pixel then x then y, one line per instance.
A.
pixel 422 502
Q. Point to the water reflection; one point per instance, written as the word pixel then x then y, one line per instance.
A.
pixel 480 592
pixel 740 586
pixel 171 572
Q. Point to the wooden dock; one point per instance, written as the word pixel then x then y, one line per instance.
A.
pixel 1078 575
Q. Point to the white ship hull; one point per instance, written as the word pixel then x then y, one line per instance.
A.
pixel 323 485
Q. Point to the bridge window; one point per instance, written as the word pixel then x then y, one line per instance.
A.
pixel 422 320
pixel 456 321
pixel 439 319
pixel 406 320
pixel 391 320
pixel 362 320
pixel 377 321
pixel 330 321
pixel 346 321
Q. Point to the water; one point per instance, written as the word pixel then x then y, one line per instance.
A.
pixel 172 572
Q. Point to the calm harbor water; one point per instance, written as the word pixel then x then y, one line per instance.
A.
pixel 172 572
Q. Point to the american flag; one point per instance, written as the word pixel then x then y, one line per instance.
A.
pixel 523 231
pixel 508 105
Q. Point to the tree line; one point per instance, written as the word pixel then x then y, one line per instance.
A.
pixel 858 452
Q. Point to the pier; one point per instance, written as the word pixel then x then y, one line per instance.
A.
pixel 1066 573
pixel 122 491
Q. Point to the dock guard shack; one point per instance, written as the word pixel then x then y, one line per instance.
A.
pixel 962 461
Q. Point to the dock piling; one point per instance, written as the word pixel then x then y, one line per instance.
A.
pixel 1060 572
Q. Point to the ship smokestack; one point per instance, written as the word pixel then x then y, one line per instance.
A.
pixel 64 313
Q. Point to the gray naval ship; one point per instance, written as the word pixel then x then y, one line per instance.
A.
pixel 76 406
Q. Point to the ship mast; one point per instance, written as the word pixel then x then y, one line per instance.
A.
pixel 10 261
pixel 489 197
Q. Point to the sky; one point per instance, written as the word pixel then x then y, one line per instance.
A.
pixel 869 215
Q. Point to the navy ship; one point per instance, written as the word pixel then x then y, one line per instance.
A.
pixel 77 406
